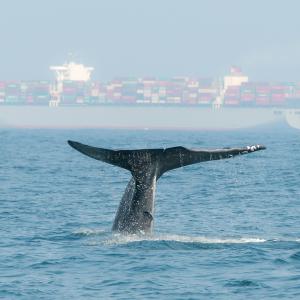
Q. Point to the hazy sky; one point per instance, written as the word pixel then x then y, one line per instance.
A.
pixel 156 37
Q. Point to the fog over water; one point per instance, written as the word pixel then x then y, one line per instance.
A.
pixel 158 38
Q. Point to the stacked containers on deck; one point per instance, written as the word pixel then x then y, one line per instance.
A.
pixel 262 97
pixel 207 92
pixel 12 92
pixel 278 94
pixel 175 91
pixel 155 92
pixel 83 93
pixel 41 92
pixel 129 90
pixel 163 85
pixel 148 88
pixel 74 92
pixel 232 96
pixel 26 93
pixel 113 94
pixel 95 93
pixel 102 92
pixel 92 93
pixel 140 92
pixel 190 92
pixel 247 97
pixel 69 94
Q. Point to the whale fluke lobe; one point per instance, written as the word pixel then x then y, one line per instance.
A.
pixel 135 212
pixel 179 156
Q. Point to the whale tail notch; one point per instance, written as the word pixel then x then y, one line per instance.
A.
pixel 167 159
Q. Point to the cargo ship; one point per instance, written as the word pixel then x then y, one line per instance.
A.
pixel 72 100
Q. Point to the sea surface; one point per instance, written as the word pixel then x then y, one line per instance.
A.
pixel 226 229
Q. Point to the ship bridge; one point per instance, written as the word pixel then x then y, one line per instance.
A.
pixel 70 71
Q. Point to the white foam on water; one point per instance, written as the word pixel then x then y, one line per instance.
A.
pixel 125 239
pixel 295 240
pixel 120 239
pixel 89 231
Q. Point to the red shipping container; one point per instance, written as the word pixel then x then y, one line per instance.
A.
pixel 247 97
pixel 262 100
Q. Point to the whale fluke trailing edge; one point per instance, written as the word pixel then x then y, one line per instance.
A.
pixel 135 212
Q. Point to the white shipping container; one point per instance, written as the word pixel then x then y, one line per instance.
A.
pixel 207 91
pixel 193 84
pixel 147 93
pixel 94 92
pixel 116 85
pixel 155 97
pixel 193 95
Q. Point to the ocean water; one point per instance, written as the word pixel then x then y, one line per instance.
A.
pixel 225 229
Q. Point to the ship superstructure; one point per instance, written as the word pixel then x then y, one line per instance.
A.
pixel 68 77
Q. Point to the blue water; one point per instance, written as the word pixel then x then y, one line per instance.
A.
pixel 226 229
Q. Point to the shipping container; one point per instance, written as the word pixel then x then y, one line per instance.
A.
pixel 247 97
pixel 262 100
pixel 231 102
pixel 278 99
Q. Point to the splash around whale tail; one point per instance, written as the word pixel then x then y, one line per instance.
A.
pixel 164 160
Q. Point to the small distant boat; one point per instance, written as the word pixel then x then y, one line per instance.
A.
pixel 292 117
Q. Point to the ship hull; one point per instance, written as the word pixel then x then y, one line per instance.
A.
pixel 293 118
pixel 136 117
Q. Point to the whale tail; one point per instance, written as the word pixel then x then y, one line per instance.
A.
pixel 164 160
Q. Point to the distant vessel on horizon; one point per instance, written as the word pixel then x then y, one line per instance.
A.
pixel 73 101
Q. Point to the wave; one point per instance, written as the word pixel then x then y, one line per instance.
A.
pixel 127 239
pixel 89 232
pixel 295 256
pixel 106 237
pixel 242 283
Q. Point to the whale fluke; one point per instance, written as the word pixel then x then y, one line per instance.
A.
pixel 167 159
pixel 135 213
